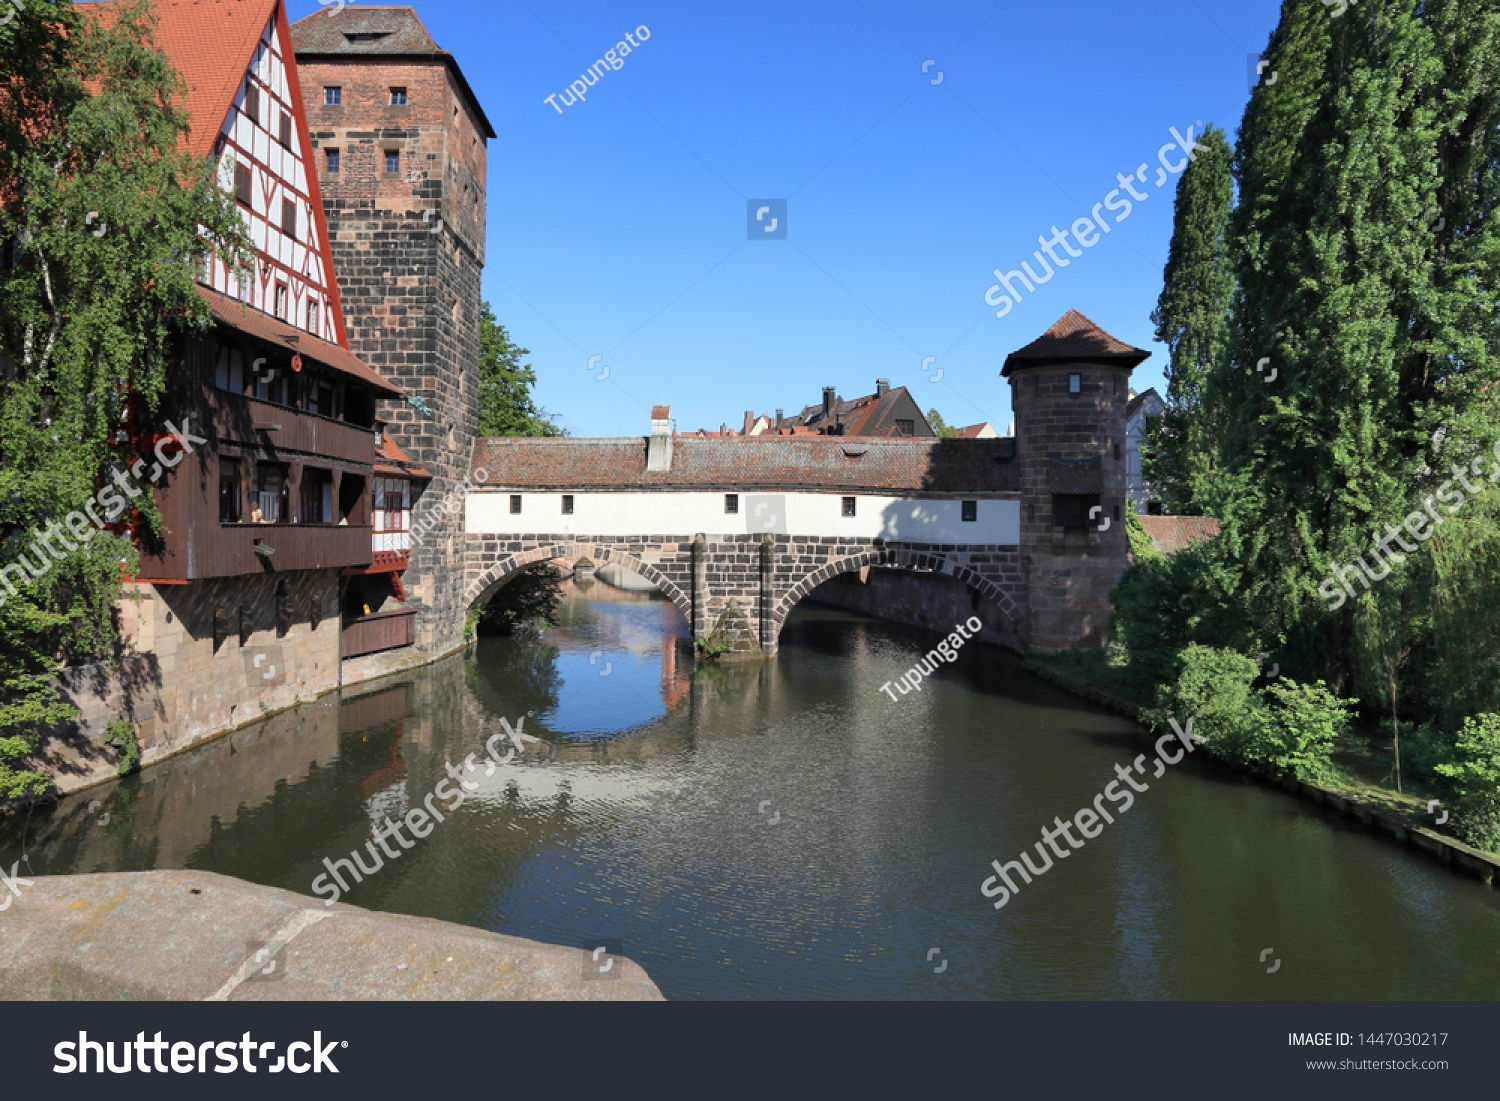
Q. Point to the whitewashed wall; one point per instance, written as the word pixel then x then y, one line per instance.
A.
pixel 680 513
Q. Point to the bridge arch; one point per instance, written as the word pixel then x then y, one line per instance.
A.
pixel 1010 614
pixel 504 568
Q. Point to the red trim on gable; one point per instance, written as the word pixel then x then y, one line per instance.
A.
pixel 310 169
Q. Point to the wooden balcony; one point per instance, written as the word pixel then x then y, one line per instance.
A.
pixel 213 549
pixel 385 631
pixel 236 417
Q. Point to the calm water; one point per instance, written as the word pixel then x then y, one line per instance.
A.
pixel 647 819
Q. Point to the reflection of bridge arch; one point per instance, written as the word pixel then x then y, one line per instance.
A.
pixel 1001 602
pixel 504 568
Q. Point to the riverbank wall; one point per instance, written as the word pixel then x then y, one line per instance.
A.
pixel 1446 850
pixel 141 689
pixel 200 936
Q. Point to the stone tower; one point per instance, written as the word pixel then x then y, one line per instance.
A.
pixel 1069 390
pixel 399 146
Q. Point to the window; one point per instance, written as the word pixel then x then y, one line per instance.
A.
pixel 398 97
pixel 848 506
pixel 333 95
pixel 906 428
pixel 281 301
pixel 286 129
pixel 246 284
pixel 312 315
pixel 289 218
pixel 320 398
pixel 970 511
pixel 515 503
pixel 270 494
pixel 316 498
pixel 1075 384
pixel 395 504
pixel 1071 510
pixel 333 160
pixel 229 370
pixel 229 491
pixel 567 504
pixel 1117 452
pixel 731 503
pixel 252 102
pixel 268 382
pixel 393 160
pixel 242 184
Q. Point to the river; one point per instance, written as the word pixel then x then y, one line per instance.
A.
pixel 786 830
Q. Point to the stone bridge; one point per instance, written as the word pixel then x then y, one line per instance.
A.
pixel 743 586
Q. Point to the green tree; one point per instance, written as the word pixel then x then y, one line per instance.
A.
pixel 1192 320
pixel 105 220
pixel 1367 265
pixel 944 430
pixel 506 407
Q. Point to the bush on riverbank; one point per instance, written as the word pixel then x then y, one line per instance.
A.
pixel 1475 781
pixel 1285 729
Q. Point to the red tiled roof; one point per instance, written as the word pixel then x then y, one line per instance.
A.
pixel 1170 533
pixel 971 431
pixel 210 43
pixel 763 462
pixel 237 315
pixel 396 461
pixel 1074 338
pixel 661 412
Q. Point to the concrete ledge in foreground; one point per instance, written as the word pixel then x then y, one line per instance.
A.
pixel 191 936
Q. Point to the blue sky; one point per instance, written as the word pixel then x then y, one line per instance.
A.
pixel 618 228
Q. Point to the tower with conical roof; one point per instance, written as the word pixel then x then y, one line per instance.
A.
pixel 1069 390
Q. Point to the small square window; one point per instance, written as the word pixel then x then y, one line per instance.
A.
pixel 1075 384
pixel 731 503
pixel 567 504
pixel 398 97
pixel 848 506
pixel 333 160
pixel 971 511
pixel 393 160
pixel 333 96
pixel 515 504
pixel 906 428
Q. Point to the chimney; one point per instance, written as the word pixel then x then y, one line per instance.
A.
pixel 881 386
pixel 778 420
pixel 659 446
pixel 1010 429
pixel 828 402
pixel 749 422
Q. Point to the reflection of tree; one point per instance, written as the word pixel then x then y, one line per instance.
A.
pixel 514 676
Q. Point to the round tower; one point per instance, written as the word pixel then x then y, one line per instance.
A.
pixel 1069 390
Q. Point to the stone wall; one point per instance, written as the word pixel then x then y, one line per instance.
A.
pixel 759 577
pixel 279 646
pixel 408 249
pixel 1070 573
pixel 931 600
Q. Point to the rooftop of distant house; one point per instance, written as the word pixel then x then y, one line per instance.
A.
pixel 1172 533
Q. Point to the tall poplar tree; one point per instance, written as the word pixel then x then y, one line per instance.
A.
pixel 1192 320
pixel 1368 265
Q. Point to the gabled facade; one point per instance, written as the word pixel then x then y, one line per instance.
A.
pixel 272 505
pixel 1141 408
pixel 885 413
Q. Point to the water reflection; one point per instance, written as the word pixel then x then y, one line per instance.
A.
pixel 646 816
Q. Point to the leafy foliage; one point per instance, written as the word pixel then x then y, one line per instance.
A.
pixel 105 219
pixel 122 734
pixel 944 430
pixel 526 604
pixel 1475 776
pixel 506 407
